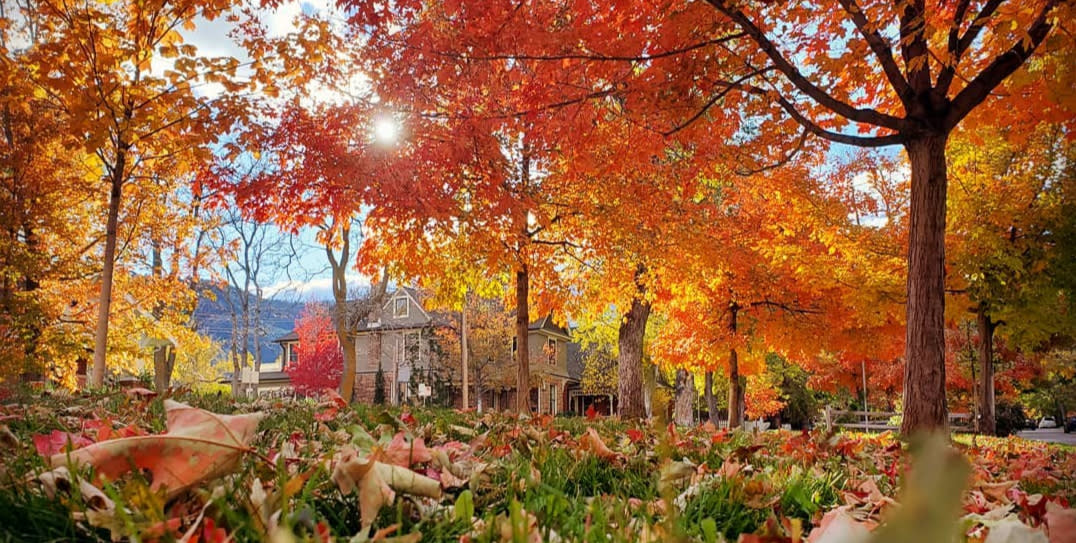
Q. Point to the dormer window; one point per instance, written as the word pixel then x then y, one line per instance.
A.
pixel 399 308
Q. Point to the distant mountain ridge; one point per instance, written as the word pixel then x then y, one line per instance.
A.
pixel 213 317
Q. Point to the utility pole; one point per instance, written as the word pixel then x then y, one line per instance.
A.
pixel 866 420
pixel 463 350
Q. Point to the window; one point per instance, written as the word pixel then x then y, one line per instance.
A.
pixel 552 399
pixel 293 353
pixel 551 351
pixel 399 308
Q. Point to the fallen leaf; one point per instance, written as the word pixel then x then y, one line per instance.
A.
pixel 592 442
pixel 402 452
pixel 1060 523
pixel 376 482
pixel 140 393
pixel 50 444
pixel 7 438
pixel 1011 530
pixel 199 446
pixel 839 526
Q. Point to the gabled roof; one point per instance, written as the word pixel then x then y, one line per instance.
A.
pixel 290 337
pixel 431 318
pixel 546 324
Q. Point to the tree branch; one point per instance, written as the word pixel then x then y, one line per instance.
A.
pixel 914 48
pixel 577 56
pixel 729 87
pixel 879 46
pixel 945 77
pixel 858 141
pixel 864 115
pixel 784 160
pixel 1003 66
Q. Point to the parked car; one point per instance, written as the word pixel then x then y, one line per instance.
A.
pixel 1070 425
pixel 1047 422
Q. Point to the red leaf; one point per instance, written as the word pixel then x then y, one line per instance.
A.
pixel 592 413
pixel 50 444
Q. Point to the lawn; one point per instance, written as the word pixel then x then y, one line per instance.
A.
pixel 97 468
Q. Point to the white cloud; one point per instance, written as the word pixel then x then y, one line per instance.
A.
pixel 315 289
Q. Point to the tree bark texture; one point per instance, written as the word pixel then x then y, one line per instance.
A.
pixel 708 393
pixel 736 391
pixel 987 423
pixel 164 363
pixel 630 355
pixel 684 403
pixel 523 369
pixel 104 301
pixel 736 381
pixel 924 370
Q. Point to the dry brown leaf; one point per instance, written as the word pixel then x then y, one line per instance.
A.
pixel 591 441
pixel 199 446
pixel 376 482
pixel 7 438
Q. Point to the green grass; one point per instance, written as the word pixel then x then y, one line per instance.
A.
pixel 537 476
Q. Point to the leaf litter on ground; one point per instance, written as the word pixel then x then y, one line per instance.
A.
pixel 326 471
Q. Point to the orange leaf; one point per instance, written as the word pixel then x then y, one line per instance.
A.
pixel 592 442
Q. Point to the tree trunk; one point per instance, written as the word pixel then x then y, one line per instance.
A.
pixel 736 391
pixel 104 301
pixel 736 382
pixel 630 354
pixel 257 328
pixel 338 268
pixel 162 369
pixel 164 362
pixel 708 393
pixel 683 410
pixel 987 423
pixel 523 369
pixel 237 367
pixel 924 370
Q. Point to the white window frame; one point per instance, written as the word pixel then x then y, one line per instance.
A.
pixel 553 399
pixel 406 307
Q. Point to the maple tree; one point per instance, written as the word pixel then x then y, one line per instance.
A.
pixel 136 125
pixel 879 74
pixel 1007 209
pixel 320 359
pixel 489 332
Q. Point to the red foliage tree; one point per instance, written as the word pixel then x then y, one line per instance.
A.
pixel 321 362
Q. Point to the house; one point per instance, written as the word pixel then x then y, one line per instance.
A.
pixel 395 341
pixel 272 379
pixel 400 341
